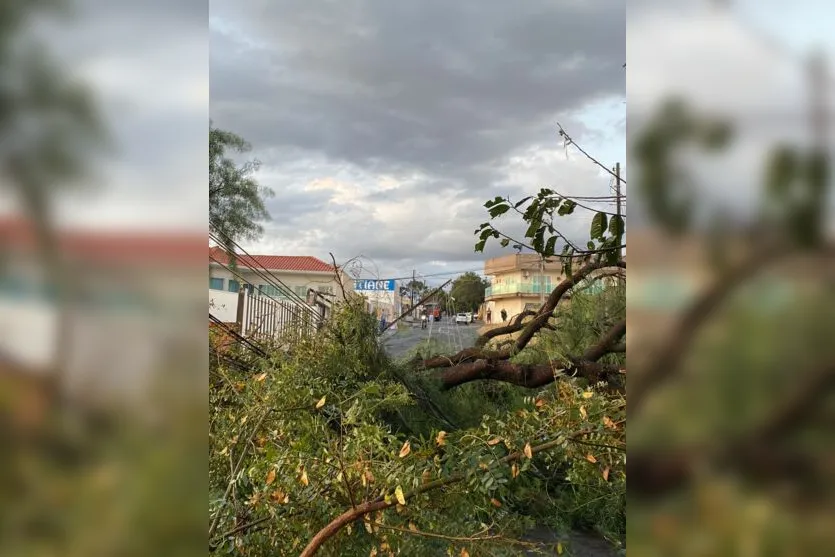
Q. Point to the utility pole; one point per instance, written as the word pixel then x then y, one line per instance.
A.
pixel 412 290
pixel 618 211
pixel 819 114
pixel 819 117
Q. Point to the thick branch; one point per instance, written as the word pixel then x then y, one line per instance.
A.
pixel 606 343
pixel 529 329
pixel 618 348
pixel 756 453
pixel 550 305
pixel 513 327
pixel 666 362
pixel 524 375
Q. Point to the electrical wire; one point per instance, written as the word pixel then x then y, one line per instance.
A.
pixel 266 275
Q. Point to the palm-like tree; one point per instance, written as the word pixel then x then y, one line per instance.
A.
pixel 50 127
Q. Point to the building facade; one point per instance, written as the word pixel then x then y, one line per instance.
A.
pixel 518 282
pixel 282 278
pixel 522 282
pixel 127 306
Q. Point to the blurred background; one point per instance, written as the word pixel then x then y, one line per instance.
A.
pixel 731 278
pixel 103 166
pixel 103 212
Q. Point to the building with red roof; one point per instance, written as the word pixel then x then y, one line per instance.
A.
pixel 279 277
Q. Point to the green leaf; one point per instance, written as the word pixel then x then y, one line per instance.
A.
pixel 567 207
pixel 531 231
pixel 479 247
pixel 616 225
pixel 539 239
pixel 598 226
pixel 549 247
pixel 522 202
pixel 504 243
pixel 494 201
pixel 499 209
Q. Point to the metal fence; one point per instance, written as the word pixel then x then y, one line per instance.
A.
pixel 262 317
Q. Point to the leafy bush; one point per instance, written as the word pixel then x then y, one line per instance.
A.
pixel 310 432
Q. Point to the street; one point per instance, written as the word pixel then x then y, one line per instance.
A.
pixel 446 336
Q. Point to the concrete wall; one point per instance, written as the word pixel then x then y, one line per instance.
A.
pixel 513 306
pixel 223 305
pixel 28 330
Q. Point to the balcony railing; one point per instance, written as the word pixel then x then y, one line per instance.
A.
pixel 523 288
pixel 535 289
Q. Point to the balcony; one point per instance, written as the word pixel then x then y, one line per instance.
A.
pixel 517 289
pixel 535 289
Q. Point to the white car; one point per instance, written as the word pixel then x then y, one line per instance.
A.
pixel 462 318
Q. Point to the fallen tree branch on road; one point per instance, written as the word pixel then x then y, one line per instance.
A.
pixel 525 375
pixel 529 329
pixel 757 452
pixel 481 363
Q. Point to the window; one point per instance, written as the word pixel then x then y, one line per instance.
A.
pixel 269 290
pixel 215 283
pixel 326 289
pixel 301 291
pixel 234 285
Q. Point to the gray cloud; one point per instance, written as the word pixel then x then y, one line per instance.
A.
pixel 439 97
pixel 146 65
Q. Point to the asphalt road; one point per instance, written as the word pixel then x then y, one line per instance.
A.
pixel 449 335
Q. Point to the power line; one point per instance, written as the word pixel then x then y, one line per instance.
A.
pixel 244 280
pixel 267 276
pixel 570 141
pixel 421 275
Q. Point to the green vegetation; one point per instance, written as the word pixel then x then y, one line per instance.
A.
pixel 236 200
pixel 468 291
pixel 333 424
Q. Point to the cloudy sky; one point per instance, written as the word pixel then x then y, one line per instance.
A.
pixel 382 132
pixel 747 65
pixel 146 65
pixel 383 127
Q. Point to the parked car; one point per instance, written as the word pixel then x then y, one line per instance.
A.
pixel 462 318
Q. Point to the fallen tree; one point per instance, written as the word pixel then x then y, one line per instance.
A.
pixel 482 363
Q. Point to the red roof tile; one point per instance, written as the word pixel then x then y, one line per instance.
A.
pixel 109 246
pixel 302 263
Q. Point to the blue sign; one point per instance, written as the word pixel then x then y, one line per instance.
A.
pixel 374 285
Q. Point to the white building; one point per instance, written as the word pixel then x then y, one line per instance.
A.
pixel 279 277
pixel 129 305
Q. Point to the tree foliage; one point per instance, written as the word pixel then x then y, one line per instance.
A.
pixel 343 451
pixel 543 236
pixel 468 291
pixel 333 441
pixel 236 200
pixel 418 286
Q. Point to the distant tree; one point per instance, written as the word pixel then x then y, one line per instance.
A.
pixel 418 287
pixel 52 129
pixel 468 291
pixel 236 200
